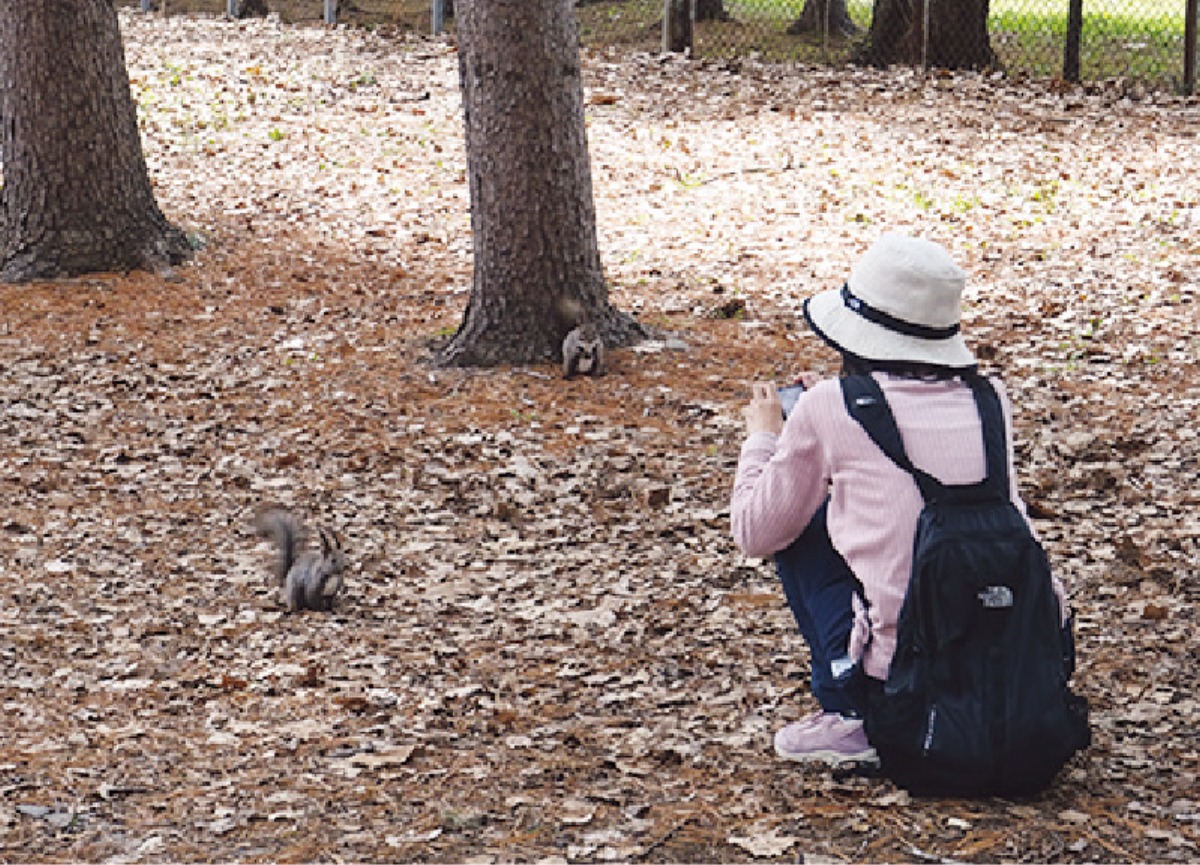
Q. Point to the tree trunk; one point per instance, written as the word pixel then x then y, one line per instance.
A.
pixel 76 196
pixel 252 9
pixel 678 34
pixel 957 38
pixel 1074 41
pixel 711 10
pixel 533 221
pixel 824 16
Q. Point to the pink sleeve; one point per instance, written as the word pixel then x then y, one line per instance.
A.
pixel 780 483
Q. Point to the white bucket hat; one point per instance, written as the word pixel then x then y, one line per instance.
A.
pixel 903 302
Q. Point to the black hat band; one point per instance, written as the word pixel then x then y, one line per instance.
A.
pixel 897 325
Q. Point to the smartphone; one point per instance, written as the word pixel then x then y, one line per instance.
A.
pixel 788 396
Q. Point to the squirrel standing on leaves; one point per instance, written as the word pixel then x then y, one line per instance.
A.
pixel 310 580
pixel 583 352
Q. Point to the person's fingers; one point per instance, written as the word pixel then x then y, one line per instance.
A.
pixel 764 390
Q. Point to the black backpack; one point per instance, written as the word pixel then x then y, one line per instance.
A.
pixel 976 702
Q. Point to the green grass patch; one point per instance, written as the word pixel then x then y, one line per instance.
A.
pixel 1144 45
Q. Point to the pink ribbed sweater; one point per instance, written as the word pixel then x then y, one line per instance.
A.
pixel 782 481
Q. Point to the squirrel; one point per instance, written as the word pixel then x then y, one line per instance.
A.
pixel 583 352
pixel 310 580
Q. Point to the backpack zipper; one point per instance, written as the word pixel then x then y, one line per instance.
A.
pixel 930 724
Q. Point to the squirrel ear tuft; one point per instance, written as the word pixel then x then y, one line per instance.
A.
pixel 329 540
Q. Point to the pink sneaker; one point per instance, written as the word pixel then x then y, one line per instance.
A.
pixel 810 720
pixel 829 739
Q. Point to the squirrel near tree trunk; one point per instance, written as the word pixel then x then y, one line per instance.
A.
pixel 583 352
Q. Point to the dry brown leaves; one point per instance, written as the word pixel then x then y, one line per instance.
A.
pixel 550 650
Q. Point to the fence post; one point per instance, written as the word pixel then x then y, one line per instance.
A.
pixel 825 30
pixel 231 8
pixel 331 12
pixel 925 36
pixel 438 15
pixel 1190 25
pixel 677 26
pixel 1071 70
pixel 147 6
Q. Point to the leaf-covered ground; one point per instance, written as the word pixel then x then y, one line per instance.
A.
pixel 550 650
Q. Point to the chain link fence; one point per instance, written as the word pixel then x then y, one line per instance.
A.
pixel 406 15
pixel 1137 40
pixel 1144 41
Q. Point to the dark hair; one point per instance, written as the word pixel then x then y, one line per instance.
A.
pixel 852 364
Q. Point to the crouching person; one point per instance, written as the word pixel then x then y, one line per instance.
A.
pixel 855 495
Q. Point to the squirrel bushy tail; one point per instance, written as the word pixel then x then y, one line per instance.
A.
pixel 287 532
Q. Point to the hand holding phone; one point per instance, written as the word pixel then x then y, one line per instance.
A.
pixel 788 396
pixel 762 413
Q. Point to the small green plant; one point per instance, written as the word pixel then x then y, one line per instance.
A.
pixel 1045 194
pixel 923 201
pixel 277 135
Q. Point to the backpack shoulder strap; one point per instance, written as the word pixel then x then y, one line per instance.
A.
pixel 995 441
pixel 866 404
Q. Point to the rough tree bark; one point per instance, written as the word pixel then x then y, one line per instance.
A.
pixel 818 15
pixel 76 196
pixel 957 39
pixel 533 221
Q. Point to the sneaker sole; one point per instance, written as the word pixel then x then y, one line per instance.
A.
pixel 831 758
